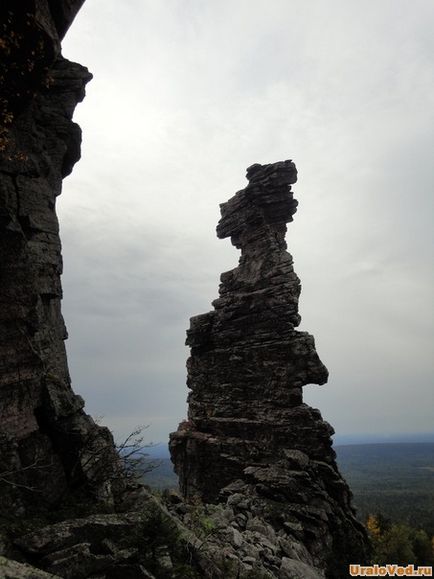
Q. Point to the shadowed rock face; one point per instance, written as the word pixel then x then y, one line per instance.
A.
pixel 46 440
pixel 248 363
pixel 248 430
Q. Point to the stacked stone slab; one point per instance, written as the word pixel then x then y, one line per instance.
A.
pixel 48 445
pixel 248 431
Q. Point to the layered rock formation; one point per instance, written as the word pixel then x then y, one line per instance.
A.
pixel 248 431
pixel 48 445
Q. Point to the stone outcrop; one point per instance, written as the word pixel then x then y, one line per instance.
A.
pixel 10 569
pixel 150 542
pixel 249 437
pixel 48 445
pixel 112 546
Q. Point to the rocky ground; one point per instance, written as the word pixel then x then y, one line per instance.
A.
pixel 164 538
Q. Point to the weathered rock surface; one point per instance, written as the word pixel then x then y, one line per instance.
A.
pixel 48 444
pixel 249 434
pixel 149 542
pixel 237 541
pixel 10 569
pixel 226 541
pixel 106 545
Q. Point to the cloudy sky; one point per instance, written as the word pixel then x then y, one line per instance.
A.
pixel 186 94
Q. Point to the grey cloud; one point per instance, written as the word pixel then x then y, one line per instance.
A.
pixel 185 96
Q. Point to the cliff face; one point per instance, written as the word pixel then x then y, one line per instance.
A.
pixel 248 431
pixel 48 445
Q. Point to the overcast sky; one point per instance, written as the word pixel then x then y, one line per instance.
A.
pixel 188 93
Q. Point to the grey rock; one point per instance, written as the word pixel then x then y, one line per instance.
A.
pixel 128 572
pixel 294 550
pixel 249 439
pixel 237 539
pixel 249 560
pixel 112 531
pixel 10 569
pixel 248 363
pixel 292 569
pixel 76 562
pixel 258 525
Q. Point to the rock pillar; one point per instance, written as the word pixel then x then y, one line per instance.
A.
pixel 248 431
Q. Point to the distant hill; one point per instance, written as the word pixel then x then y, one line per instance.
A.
pixel 162 475
pixel 161 449
pixel 395 438
pixel 394 479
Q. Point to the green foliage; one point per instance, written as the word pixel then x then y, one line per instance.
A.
pixel 229 568
pixel 162 477
pixel 160 539
pixel 398 543
pixel 207 525
pixel 395 545
pixel 394 479
pixel 423 548
pixel 156 536
pixel 200 520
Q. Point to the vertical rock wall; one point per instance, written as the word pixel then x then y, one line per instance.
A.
pixel 48 444
pixel 248 431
